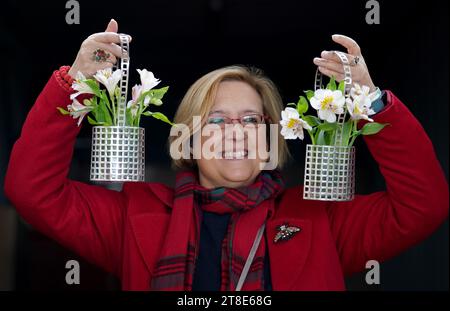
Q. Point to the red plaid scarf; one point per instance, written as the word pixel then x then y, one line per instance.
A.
pixel 249 207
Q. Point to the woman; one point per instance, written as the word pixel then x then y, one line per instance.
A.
pixel 198 236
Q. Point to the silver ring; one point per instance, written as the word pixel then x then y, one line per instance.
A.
pixel 354 61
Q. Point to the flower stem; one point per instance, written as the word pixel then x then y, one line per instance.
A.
pixel 138 115
pixel 313 141
pixel 354 128
pixel 113 108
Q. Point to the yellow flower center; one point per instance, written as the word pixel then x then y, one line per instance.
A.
pixel 292 123
pixel 326 102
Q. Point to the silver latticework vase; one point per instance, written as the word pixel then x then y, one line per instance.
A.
pixel 329 173
pixel 118 153
pixel 330 170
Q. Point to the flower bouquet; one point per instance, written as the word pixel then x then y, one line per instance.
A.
pixel 330 158
pixel 117 140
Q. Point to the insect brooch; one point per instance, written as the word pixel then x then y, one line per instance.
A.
pixel 285 232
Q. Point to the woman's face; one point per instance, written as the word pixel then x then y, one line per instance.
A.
pixel 234 168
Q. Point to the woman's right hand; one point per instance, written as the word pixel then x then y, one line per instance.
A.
pixel 106 41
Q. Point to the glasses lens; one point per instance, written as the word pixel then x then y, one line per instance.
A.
pixel 216 120
pixel 251 119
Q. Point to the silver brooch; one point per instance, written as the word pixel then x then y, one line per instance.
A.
pixel 285 232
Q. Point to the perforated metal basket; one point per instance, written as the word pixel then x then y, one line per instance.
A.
pixel 117 152
pixel 329 173
pixel 330 170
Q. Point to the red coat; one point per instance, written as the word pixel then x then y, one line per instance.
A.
pixel 123 232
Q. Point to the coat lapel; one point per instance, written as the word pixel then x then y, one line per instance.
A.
pixel 287 258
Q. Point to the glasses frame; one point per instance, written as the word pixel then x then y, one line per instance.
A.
pixel 228 120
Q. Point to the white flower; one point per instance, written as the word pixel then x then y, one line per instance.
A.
pixel 78 110
pixel 109 79
pixel 80 86
pixel 358 90
pixel 359 106
pixel 292 125
pixel 136 92
pixel 133 108
pixel 148 82
pixel 328 103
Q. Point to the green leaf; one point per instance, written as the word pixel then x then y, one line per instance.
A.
pixel 372 128
pixel 320 138
pixel 291 104
pixel 155 93
pixel 346 131
pixel 93 122
pixel 129 117
pixel 105 99
pixel 88 102
pixel 158 115
pixel 327 126
pixel 302 105
pixel 93 86
pixel 329 138
pixel 309 94
pixel 156 101
pixel 98 114
pixel 63 111
pixel 332 84
pixel 104 112
pixel 311 120
pixel 341 86
pixel 94 101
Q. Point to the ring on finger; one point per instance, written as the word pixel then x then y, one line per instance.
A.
pixel 100 56
pixel 355 61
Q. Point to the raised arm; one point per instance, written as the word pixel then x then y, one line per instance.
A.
pixel 416 201
pixel 381 225
pixel 85 218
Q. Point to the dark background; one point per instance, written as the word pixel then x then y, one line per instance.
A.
pixel 180 40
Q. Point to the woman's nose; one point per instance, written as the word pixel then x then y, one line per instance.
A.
pixel 234 131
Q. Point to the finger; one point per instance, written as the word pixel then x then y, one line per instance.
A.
pixel 98 66
pixel 332 65
pixel 114 49
pixel 347 42
pixel 331 56
pixel 330 73
pixel 112 26
pixel 105 37
pixel 104 65
pixel 112 59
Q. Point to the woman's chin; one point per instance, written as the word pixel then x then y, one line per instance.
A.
pixel 239 172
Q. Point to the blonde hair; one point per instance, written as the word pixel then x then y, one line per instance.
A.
pixel 200 97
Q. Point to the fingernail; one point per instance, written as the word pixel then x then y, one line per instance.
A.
pixel 317 60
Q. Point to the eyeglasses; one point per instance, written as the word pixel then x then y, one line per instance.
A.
pixel 248 119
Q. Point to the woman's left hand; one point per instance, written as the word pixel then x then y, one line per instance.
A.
pixel 330 64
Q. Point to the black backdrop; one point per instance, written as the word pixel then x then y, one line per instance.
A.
pixel 180 40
